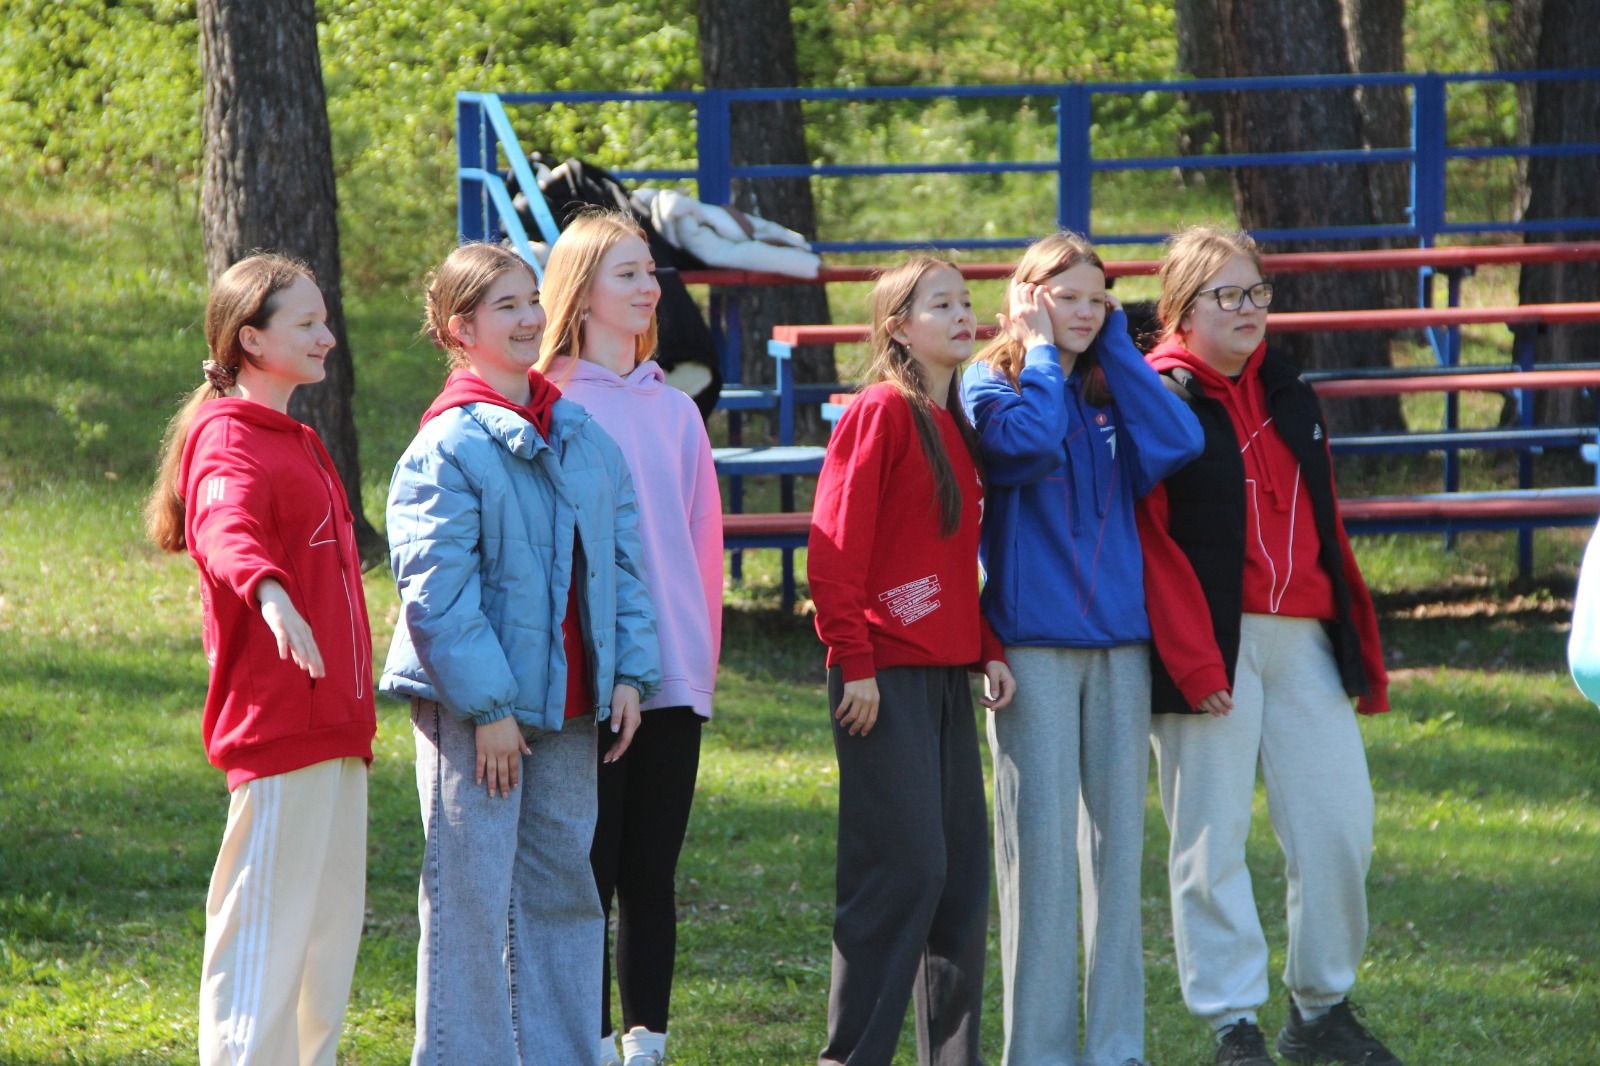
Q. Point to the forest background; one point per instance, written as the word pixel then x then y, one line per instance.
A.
pixel 1483 892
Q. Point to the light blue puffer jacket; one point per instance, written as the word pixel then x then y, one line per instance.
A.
pixel 481 516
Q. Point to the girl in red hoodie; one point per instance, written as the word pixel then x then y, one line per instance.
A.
pixel 1263 630
pixel 254 498
pixel 892 563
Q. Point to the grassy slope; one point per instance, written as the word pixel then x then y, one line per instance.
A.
pixel 1483 888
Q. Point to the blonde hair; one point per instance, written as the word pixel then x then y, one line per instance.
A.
pixel 458 286
pixel 242 296
pixel 1194 255
pixel 569 279
pixel 891 361
pixel 1044 259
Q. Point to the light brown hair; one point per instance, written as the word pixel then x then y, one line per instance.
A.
pixel 1043 260
pixel 243 296
pixel 458 286
pixel 569 278
pixel 891 361
pixel 1194 255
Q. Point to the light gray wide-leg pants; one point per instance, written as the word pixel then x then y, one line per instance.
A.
pixel 1071 769
pixel 1291 718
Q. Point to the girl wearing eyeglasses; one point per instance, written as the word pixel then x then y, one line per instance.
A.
pixel 1249 536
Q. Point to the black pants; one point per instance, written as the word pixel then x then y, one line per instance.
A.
pixel 644 812
pixel 912 908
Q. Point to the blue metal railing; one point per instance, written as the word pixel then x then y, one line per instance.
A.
pixel 486 135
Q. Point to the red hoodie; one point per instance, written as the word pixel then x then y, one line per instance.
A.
pixel 262 499
pixel 1283 572
pixel 1282 568
pixel 891 590
pixel 463 387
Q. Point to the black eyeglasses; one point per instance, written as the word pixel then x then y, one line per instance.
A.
pixel 1231 297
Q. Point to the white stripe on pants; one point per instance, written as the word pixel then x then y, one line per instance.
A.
pixel 283 917
pixel 1071 768
pixel 1290 715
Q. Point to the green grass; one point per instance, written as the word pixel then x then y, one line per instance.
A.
pixel 1483 891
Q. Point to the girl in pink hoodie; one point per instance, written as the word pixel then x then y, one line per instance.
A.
pixel 601 295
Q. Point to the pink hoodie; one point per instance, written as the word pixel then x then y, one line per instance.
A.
pixel 660 432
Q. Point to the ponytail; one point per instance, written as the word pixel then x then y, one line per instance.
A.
pixel 163 510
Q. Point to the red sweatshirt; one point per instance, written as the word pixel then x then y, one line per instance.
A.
pixel 262 499
pixel 1282 570
pixel 1283 573
pixel 889 589
pixel 463 387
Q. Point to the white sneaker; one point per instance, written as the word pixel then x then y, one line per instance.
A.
pixel 641 1047
pixel 608 1051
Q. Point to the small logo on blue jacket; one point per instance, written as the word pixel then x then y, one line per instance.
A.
pixel 1110 435
pixel 1316 431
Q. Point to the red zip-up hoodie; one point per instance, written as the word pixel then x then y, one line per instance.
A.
pixel 1282 569
pixel 262 500
pixel 890 589
pixel 1283 573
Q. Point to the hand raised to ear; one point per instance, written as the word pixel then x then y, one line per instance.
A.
pixel 1028 322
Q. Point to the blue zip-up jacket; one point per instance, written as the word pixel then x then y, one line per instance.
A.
pixel 481 515
pixel 1060 548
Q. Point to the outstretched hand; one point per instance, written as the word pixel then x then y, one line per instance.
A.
pixel 292 631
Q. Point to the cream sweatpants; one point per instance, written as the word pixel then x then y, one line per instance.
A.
pixel 1292 719
pixel 283 918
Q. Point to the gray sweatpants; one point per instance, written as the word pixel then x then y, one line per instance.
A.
pixel 1071 768
pixel 509 953
pixel 1291 718
pixel 912 909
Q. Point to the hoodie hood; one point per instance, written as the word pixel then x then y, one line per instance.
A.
pixel 254 413
pixel 647 377
pixel 1245 398
pixel 463 387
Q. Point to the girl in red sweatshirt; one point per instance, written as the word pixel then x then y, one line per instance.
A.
pixel 1263 630
pixel 892 564
pixel 254 498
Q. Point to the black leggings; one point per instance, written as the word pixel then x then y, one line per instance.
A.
pixel 644 811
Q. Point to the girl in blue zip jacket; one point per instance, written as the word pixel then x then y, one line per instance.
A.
pixel 1073 427
pixel 514 538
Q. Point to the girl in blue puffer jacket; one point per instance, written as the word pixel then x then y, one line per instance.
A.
pixel 513 535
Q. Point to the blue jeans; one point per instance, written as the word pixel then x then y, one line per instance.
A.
pixel 511 927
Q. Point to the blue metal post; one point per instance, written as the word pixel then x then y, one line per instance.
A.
pixel 472 211
pixel 1074 180
pixel 1427 182
pixel 1524 357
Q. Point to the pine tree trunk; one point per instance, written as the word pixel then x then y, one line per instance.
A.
pixel 1564 112
pixel 268 183
pixel 1277 37
pixel 1199 56
pixel 743 46
pixel 1375 33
